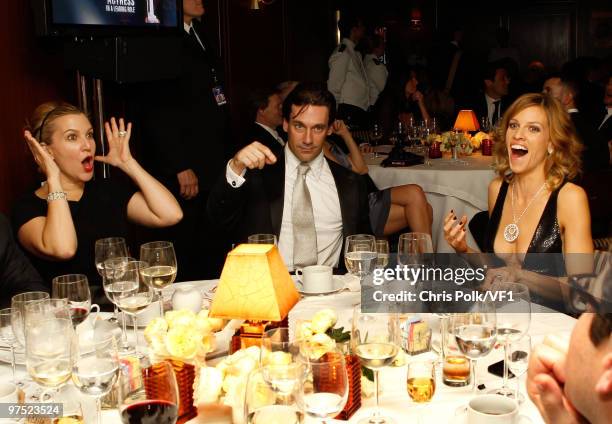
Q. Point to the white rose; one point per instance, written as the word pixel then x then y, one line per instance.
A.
pixel 318 345
pixel 323 320
pixel 209 387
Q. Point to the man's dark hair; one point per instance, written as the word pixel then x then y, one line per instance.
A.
pixel 259 99
pixel 310 94
pixel 347 22
pixel 553 75
pixel 601 327
pixel 575 86
pixel 491 69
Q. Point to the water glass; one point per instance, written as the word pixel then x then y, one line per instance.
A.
pixel 360 254
pixel 262 239
pixel 519 352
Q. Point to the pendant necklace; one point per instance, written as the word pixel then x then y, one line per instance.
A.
pixel 511 231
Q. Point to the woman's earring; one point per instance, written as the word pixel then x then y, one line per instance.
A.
pixel 550 150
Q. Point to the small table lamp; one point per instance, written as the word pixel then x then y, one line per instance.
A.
pixel 255 286
pixel 466 121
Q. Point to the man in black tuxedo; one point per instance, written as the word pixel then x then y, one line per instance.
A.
pixel 17 275
pixel 266 109
pixel 492 102
pixel 185 131
pixel 310 203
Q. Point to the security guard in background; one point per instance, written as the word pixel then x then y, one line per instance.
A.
pixel 348 80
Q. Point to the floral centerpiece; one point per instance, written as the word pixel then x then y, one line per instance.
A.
pixel 477 139
pixel 183 338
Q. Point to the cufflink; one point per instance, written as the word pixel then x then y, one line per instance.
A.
pixel 234 183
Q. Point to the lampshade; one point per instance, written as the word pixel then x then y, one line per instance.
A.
pixel 255 285
pixel 466 121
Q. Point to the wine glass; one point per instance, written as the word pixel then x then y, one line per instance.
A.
pixel 49 352
pixel 46 309
pixel 264 403
pixel 382 253
pixel 8 336
pixel 162 268
pixel 94 371
pixel 18 303
pixel 360 254
pixel 262 239
pixel 75 288
pixel 107 248
pixel 149 396
pixel 324 391
pixel 375 138
pixel 132 295
pixel 414 249
pixel 513 318
pixel 518 361
pixel 421 382
pixel 475 333
pixel 375 339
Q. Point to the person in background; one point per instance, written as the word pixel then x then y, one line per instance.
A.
pixel 348 80
pixel 59 223
pixel 311 204
pixel 17 275
pixel 605 127
pixel 266 108
pixel 552 86
pixel 491 103
pixel 411 105
pixel 284 88
pixel 185 124
pixel 391 210
pixel 375 68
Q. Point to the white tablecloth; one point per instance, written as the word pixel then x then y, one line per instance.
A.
pixel 394 399
pixel 463 188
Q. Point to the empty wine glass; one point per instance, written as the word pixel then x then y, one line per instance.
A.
pixel 8 336
pixel 375 339
pixel 149 396
pixel 376 138
pixel 262 239
pixel 324 391
pixel 421 382
pixel 95 370
pixel 265 403
pixel 518 361
pixel 162 268
pixel 414 249
pixel 115 284
pixel 75 288
pixel 108 248
pixel 475 333
pixel 360 254
pixel 513 318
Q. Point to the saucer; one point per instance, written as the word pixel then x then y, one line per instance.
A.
pixel 337 283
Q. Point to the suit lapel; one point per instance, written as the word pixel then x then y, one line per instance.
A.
pixel 274 180
pixel 344 181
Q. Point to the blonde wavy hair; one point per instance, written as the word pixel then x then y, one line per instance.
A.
pixel 40 123
pixel 564 162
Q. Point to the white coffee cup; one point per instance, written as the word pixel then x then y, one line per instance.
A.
pixel 8 392
pixel 494 409
pixel 316 278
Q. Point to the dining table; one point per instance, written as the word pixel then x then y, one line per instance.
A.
pixel 460 185
pixel 448 403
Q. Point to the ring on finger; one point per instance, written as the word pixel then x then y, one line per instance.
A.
pixel 122 133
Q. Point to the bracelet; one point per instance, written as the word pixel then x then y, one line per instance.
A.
pixel 56 195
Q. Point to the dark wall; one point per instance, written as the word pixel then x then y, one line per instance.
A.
pixel 31 73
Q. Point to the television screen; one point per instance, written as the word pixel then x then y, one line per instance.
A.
pixel 116 13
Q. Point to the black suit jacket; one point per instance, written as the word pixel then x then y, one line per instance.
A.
pixel 258 133
pixel 257 205
pixel 479 105
pixel 595 155
pixel 605 130
pixel 17 275
pixel 182 125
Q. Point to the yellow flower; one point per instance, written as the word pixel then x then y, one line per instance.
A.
pixel 277 358
pixel 181 318
pixel 323 320
pixel 477 139
pixel 157 327
pixel 318 345
pixel 304 330
pixel 180 343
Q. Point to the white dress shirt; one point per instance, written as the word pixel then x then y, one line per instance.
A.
pixel 491 109
pixel 273 133
pixel 187 28
pixel 606 117
pixel 348 80
pixel 325 207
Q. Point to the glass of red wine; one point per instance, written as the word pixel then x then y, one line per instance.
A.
pixel 75 288
pixel 149 396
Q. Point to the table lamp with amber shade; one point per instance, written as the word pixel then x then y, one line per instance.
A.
pixel 466 121
pixel 255 286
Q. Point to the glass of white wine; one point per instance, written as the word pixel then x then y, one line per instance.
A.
pixel 475 333
pixel 382 252
pixel 375 339
pixel 95 370
pixel 162 268
pixel 50 350
pixel 421 382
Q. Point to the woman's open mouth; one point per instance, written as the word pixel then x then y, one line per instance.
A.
pixel 518 151
pixel 88 164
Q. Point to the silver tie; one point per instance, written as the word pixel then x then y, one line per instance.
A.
pixel 304 233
